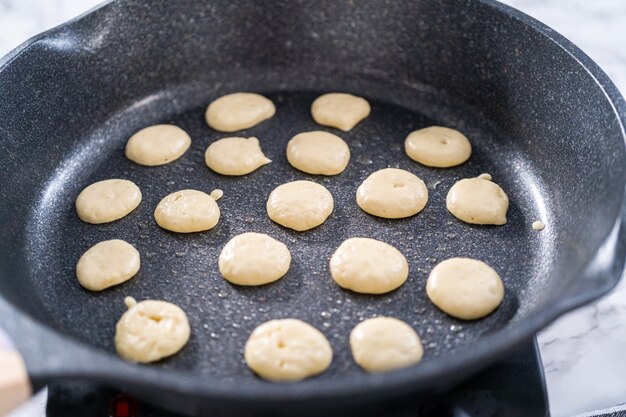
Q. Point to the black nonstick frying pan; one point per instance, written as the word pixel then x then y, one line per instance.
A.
pixel 543 119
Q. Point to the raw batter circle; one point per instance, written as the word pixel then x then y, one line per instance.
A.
pixel 151 330
pixel 287 350
pixel 368 266
pixel 478 201
pixel 300 205
pixel 340 110
pixel 254 259
pixel 235 156
pixel 438 147
pixel 318 152
pixel 108 200
pixel 157 145
pixel 465 288
pixel 392 193
pixel 188 211
pixel 107 263
pixel 238 111
pixel 384 343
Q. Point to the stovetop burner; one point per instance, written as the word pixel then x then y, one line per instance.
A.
pixel 510 388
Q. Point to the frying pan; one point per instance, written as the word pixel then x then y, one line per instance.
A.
pixel 543 119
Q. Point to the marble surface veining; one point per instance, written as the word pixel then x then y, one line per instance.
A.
pixel 584 353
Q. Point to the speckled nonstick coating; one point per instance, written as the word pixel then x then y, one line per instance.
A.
pixel 543 120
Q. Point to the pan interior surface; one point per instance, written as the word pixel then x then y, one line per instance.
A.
pixel 542 119
pixel 183 268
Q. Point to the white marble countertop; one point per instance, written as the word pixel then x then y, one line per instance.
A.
pixel 584 353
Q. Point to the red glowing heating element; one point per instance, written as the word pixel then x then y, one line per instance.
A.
pixel 123 406
pixel 122 409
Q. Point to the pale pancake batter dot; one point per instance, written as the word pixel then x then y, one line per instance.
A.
pixel 235 156
pixel 478 201
pixel 368 266
pixel 438 147
pixel 150 330
pixel 157 145
pixel 287 350
pixel 238 111
pixel 340 110
pixel 108 200
pixel 465 288
pixel 318 152
pixel 129 301
pixel 384 343
pixel 539 225
pixel 187 211
pixel 217 194
pixel 107 263
pixel 392 193
pixel 254 259
pixel 300 205
pixel 485 176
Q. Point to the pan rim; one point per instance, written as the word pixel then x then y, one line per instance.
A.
pixel 108 368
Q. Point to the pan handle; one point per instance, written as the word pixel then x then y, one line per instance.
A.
pixel 15 386
pixel 604 271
